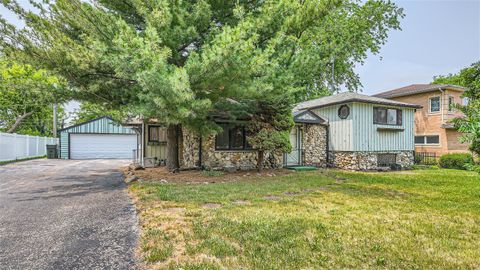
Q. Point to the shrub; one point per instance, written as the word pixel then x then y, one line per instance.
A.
pixel 472 167
pixel 455 161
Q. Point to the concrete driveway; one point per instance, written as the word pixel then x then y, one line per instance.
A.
pixel 66 214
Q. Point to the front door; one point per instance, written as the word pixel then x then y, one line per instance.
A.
pixel 295 156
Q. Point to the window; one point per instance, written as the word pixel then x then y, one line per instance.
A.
pixel 343 112
pixel 232 137
pixel 386 116
pixel 386 160
pixel 451 104
pixel 156 134
pixel 427 139
pixel 434 104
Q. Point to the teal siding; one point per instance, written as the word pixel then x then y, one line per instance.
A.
pixel 358 133
pixel 340 130
pixel 64 145
pixel 369 138
pixel 102 125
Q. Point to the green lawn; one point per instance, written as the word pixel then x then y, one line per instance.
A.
pixel 310 220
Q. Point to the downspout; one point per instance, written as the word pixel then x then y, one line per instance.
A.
pixel 442 101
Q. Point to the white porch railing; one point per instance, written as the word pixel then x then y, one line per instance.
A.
pixel 15 146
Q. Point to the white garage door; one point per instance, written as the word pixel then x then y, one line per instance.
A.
pixel 84 146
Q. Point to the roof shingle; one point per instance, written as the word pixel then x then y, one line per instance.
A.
pixel 417 89
pixel 348 97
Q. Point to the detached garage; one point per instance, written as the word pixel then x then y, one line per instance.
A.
pixel 98 138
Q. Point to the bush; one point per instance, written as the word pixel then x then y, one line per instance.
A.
pixel 455 161
pixel 472 167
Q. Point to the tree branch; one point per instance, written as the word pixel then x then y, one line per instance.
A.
pixel 18 121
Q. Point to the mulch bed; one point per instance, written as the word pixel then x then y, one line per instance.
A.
pixel 197 177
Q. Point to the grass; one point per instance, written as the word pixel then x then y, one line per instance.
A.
pixel 20 159
pixel 422 219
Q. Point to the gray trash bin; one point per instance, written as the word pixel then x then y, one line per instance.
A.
pixel 52 151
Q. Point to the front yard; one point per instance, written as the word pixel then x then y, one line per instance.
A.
pixel 310 220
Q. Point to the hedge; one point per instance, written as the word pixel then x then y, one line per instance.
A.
pixel 455 161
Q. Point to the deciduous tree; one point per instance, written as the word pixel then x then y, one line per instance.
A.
pixel 26 98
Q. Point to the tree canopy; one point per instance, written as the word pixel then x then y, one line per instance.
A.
pixel 26 99
pixel 184 61
pixel 89 111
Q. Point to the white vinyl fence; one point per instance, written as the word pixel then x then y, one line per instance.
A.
pixel 15 146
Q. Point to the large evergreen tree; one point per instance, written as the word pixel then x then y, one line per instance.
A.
pixel 179 61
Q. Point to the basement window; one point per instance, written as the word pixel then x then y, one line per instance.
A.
pixel 427 139
pixel 386 160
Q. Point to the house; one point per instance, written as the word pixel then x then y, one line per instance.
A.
pixel 349 130
pixel 434 132
pixel 366 132
pixel 98 138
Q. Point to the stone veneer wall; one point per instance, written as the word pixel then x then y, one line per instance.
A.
pixel 218 160
pixel 188 149
pixel 314 142
pixel 366 160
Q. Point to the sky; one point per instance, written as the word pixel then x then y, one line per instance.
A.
pixel 438 37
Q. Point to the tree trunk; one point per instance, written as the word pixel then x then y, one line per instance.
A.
pixel 260 161
pixel 172 147
pixel 18 121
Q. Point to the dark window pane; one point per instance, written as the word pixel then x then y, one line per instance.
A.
pixel 343 112
pixel 419 139
pixel 399 117
pixel 221 141
pixel 451 103
pixel 433 139
pixel 380 115
pixel 157 134
pixel 236 138
pixel 435 104
pixel 153 134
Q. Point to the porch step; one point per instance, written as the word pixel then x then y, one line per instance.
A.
pixel 301 168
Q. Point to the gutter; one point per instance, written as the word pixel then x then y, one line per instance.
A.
pixel 351 100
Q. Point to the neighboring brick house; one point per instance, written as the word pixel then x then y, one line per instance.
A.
pixel 434 132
